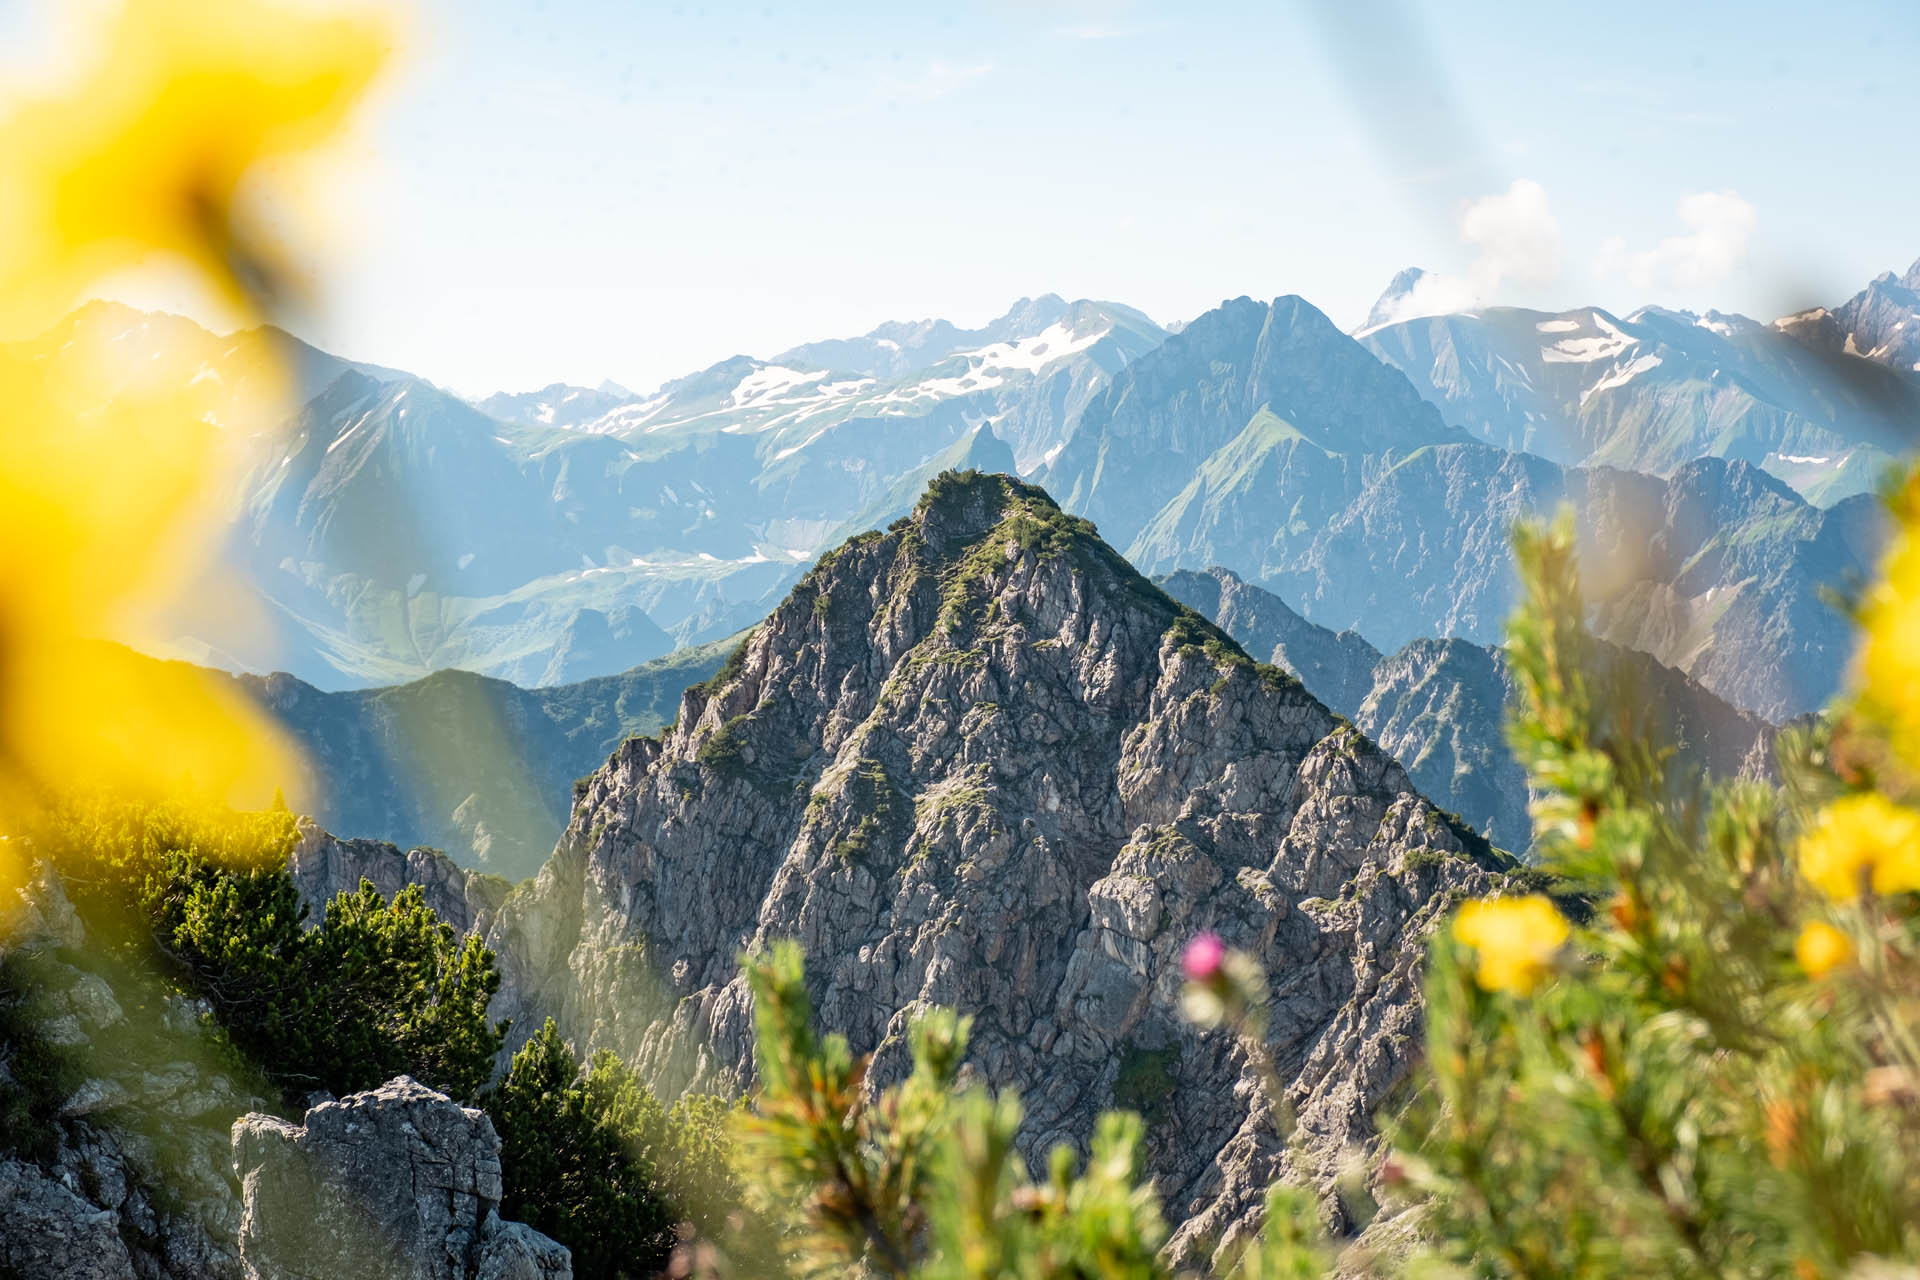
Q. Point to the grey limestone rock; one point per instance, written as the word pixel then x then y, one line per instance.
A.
pixel 51 1231
pixel 979 761
pixel 323 865
pixel 398 1183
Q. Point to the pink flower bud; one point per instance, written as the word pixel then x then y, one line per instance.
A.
pixel 1203 957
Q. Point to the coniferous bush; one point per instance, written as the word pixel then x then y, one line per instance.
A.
pixel 377 989
pixel 590 1157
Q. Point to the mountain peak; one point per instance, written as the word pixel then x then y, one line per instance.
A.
pixel 978 760
pixel 1388 306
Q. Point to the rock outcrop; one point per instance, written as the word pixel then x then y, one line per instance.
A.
pixel 52 1231
pixel 398 1183
pixel 979 761
pixel 118 1103
pixel 323 866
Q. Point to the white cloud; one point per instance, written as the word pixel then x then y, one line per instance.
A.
pixel 1517 239
pixel 1719 226
pixel 1517 235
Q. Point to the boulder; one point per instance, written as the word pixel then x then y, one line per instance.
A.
pixel 398 1183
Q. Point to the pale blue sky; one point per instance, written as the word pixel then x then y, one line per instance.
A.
pixel 582 189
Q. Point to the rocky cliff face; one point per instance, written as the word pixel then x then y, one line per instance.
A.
pixel 398 1183
pixel 979 761
pixel 118 1105
pixel 1336 668
pixel 1439 706
pixel 323 866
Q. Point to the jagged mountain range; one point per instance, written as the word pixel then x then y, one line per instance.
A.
pixel 977 760
pixel 394 529
pixel 1263 439
pixel 1659 388
pixel 548 537
pixel 1439 706
pixel 481 768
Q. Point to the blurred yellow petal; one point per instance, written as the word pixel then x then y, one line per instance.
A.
pixel 1862 841
pixel 1515 939
pixel 146 153
pixel 1889 659
pixel 114 466
pixel 1821 948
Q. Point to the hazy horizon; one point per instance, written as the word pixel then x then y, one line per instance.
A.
pixel 575 190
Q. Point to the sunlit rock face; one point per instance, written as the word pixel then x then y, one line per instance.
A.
pixel 978 761
pixel 397 1183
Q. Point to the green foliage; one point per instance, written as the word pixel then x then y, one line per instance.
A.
pixel 730 669
pixel 923 1181
pixel 35 1076
pixel 1684 1099
pixel 378 989
pixel 403 994
pixel 580 1154
pixel 1145 1083
pixel 725 750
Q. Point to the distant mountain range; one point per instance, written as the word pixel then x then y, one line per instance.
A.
pixel 1803 399
pixel 1263 439
pixel 1880 323
pixel 395 530
pixel 1439 706
pixel 551 536
pixel 477 768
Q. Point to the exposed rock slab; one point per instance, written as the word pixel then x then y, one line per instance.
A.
pixel 398 1183
pixel 323 866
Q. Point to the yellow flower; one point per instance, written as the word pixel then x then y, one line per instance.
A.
pixel 1822 948
pixel 1889 660
pixel 1860 839
pixel 112 472
pixel 1515 938
pixel 147 153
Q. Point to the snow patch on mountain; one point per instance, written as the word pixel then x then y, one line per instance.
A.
pixel 1621 376
pixel 769 381
pixel 1610 342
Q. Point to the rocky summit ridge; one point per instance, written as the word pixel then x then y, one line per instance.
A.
pixel 977 760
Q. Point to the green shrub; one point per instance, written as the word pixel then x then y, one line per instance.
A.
pixel 582 1156
pixel 378 989
pixel 1145 1083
